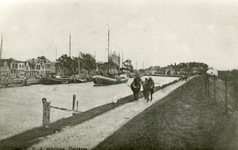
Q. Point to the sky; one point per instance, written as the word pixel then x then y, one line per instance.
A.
pixel 149 32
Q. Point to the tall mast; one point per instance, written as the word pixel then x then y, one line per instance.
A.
pixel 1 47
pixel 55 53
pixel 122 60
pixel 79 64
pixel 136 64
pixel 79 59
pixel 108 42
pixel 119 59
pixel 70 45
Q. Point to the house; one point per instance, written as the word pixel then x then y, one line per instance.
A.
pixel 4 68
pixel 155 70
pixel 27 69
pixel 20 69
pixel 53 68
pixel 47 68
pixel 32 71
pixel 8 68
pixel 30 68
pixel 41 67
pixel 167 70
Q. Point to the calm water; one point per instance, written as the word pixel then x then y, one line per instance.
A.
pixel 21 107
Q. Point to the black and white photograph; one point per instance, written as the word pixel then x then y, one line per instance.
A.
pixel 119 75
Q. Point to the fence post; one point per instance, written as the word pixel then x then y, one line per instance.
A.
pixel 214 79
pixel 208 88
pixel 236 95
pixel 206 84
pixel 226 92
pixel 74 98
pixel 46 112
pixel 77 105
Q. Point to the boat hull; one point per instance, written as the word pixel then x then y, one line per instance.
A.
pixel 8 84
pixel 101 80
pixel 77 80
pixel 80 81
pixel 33 81
pixel 50 81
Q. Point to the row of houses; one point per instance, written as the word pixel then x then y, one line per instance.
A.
pixel 11 68
pixel 173 70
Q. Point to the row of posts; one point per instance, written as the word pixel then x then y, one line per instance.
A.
pixel 46 110
pixel 207 88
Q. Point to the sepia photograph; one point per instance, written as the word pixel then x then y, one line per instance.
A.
pixel 119 75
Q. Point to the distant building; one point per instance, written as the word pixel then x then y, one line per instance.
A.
pixel 155 70
pixel 30 68
pixel 4 68
pixel 20 69
pixel 12 64
pixel 168 70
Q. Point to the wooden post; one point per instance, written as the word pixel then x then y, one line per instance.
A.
pixel 236 95
pixel 46 112
pixel 74 98
pixel 214 87
pixel 226 92
pixel 77 105
pixel 208 88
pixel 206 84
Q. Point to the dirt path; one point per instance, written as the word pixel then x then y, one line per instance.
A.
pixel 90 133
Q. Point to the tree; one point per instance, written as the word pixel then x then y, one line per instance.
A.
pixel 75 65
pixel 42 59
pixel 88 61
pixel 65 63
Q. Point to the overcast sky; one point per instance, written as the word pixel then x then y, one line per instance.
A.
pixel 156 32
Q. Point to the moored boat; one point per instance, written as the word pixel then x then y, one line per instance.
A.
pixel 77 79
pixel 54 80
pixel 33 81
pixel 109 74
pixel 12 83
pixel 102 80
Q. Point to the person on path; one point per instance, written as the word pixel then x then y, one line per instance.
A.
pixel 135 87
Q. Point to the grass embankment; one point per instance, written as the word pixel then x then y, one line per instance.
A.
pixel 185 119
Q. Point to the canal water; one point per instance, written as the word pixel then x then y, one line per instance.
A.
pixel 21 107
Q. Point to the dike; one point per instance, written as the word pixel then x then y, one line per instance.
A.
pixel 185 119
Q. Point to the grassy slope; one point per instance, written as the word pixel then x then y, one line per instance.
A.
pixel 185 119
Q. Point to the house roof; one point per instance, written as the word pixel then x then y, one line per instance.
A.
pixel 7 60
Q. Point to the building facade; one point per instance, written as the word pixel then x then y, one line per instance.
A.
pixel 11 68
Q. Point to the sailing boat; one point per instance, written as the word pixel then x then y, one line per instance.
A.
pixel 78 78
pixel 112 74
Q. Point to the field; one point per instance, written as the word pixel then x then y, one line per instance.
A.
pixel 185 119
